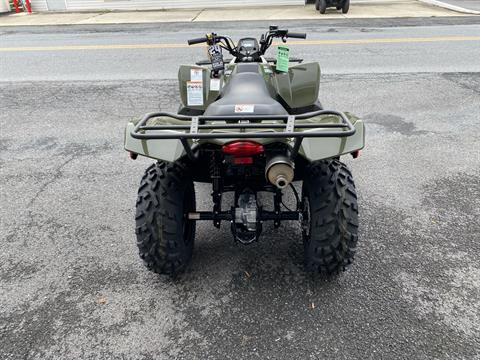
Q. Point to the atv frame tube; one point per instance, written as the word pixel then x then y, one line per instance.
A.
pixel 242 122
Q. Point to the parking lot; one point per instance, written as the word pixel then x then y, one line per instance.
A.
pixel 72 285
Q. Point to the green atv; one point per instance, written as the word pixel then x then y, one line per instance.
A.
pixel 322 5
pixel 246 125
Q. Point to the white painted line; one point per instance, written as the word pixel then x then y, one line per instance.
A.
pixel 450 7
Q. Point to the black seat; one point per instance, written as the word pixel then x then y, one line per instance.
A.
pixel 245 88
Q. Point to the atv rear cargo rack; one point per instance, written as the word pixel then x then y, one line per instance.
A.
pixel 242 122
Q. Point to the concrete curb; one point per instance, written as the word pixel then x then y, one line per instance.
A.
pixel 450 7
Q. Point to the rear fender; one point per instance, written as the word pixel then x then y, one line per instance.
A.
pixel 167 150
pixel 324 148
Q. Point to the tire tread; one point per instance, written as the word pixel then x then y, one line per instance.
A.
pixel 331 246
pixel 160 218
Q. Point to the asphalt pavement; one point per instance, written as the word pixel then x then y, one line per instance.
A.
pixel 472 5
pixel 154 51
pixel 73 287
pixel 466 4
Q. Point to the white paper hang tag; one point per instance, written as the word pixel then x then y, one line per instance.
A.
pixel 244 108
pixel 194 93
pixel 215 84
pixel 196 74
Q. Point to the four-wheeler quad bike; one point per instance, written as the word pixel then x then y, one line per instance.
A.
pixel 247 125
pixel 321 5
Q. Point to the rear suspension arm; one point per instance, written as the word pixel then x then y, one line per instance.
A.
pixel 229 215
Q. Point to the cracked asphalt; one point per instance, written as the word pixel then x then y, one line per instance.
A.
pixel 73 287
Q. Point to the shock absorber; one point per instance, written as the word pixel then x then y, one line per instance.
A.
pixel 215 174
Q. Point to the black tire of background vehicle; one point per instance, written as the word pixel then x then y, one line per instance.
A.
pixel 165 237
pixel 317 5
pixel 339 8
pixel 346 6
pixel 330 243
pixel 322 6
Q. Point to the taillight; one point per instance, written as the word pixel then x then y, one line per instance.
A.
pixel 242 149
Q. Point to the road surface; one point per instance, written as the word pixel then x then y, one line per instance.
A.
pixel 73 287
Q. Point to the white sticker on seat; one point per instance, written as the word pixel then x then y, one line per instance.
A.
pixel 244 108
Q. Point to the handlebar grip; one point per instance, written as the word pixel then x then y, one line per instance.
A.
pixel 197 41
pixel 297 35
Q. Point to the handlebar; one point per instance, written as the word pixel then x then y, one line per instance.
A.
pixel 297 35
pixel 266 41
pixel 197 41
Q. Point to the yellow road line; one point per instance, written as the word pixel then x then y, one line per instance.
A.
pixel 93 47
pixel 387 40
pixel 303 42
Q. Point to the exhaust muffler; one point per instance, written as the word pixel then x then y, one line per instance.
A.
pixel 280 171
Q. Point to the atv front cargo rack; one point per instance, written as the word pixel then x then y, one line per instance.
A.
pixel 243 122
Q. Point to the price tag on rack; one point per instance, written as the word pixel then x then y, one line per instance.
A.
pixel 282 58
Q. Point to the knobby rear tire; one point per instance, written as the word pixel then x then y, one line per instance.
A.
pixel 322 6
pixel 331 238
pixel 165 237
